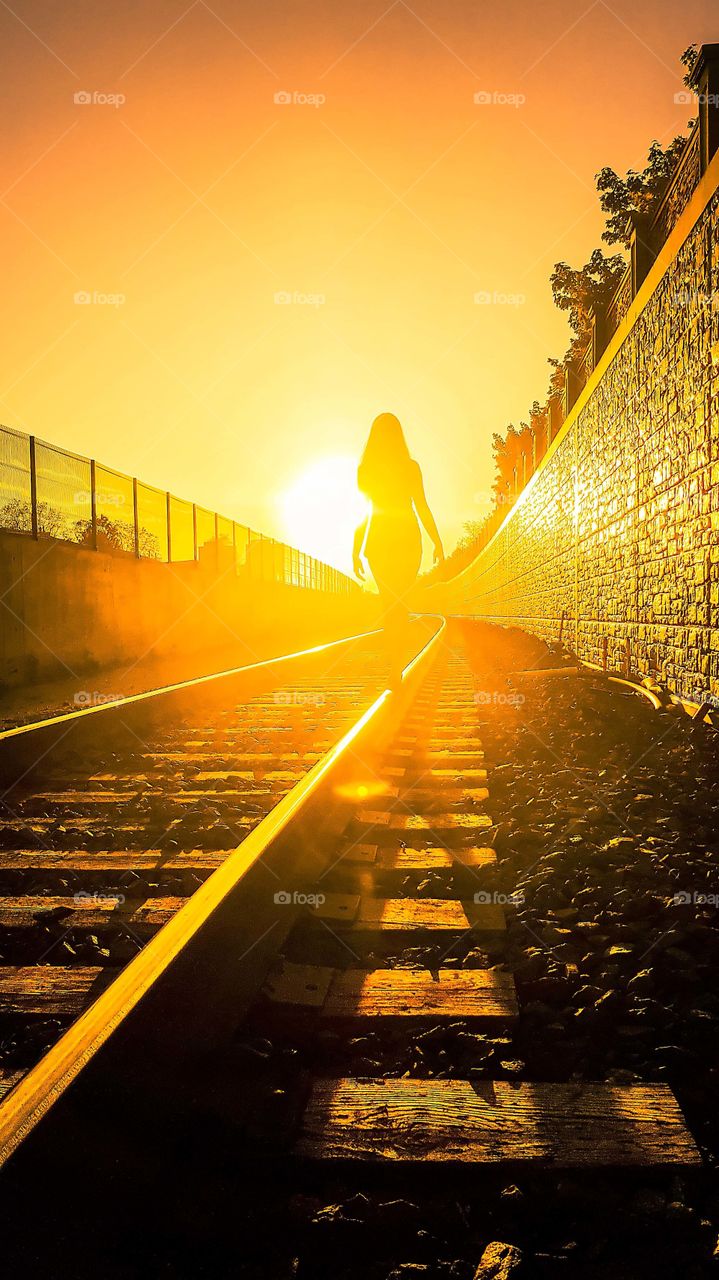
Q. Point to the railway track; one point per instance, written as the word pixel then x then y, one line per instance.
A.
pixel 96 859
pixel 330 1004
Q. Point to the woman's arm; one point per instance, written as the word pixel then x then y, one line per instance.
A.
pixel 422 508
pixel 357 545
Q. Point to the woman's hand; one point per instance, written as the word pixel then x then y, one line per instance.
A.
pixel 357 545
pixel 438 556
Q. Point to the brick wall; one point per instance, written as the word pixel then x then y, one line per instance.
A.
pixel 618 529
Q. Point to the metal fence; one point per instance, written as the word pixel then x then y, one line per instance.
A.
pixel 46 492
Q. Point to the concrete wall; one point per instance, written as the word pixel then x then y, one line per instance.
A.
pixel 67 610
pixel 617 530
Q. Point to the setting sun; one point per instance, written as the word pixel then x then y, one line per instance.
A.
pixel 321 510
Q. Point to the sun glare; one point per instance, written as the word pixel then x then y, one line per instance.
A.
pixel 322 509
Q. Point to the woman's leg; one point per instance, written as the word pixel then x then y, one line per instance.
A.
pixel 395 622
pixel 394 581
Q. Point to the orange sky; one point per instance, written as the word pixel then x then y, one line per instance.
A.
pixel 391 204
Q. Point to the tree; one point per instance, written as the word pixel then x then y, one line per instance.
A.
pixel 589 288
pixel 16 513
pixel 149 546
pixel 506 449
pixel 111 534
pixel 628 200
pixel 688 60
pixel 475 534
pixel 471 531
pixel 556 377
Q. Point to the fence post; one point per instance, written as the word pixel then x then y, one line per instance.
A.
pixel 136 516
pixel 705 83
pixel 33 489
pixel 554 418
pixel 642 253
pixel 572 389
pixel 93 504
pixel 599 335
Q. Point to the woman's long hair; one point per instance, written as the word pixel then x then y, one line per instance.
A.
pixel 385 469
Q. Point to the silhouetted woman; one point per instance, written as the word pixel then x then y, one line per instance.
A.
pixel 390 535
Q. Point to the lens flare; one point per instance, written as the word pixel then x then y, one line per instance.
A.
pixel 363 790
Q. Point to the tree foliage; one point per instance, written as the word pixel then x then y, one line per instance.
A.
pixel 688 60
pixel 112 535
pixel 116 535
pixel 628 200
pixel 578 292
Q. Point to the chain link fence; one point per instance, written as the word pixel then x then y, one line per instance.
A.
pixel 47 492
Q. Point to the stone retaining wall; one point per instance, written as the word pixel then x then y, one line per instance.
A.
pixel 617 530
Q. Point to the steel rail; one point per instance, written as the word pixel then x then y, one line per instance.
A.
pixel 181 686
pixel 45 1083
pixel 24 747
